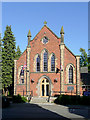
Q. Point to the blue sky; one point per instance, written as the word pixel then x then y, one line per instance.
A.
pixel 23 16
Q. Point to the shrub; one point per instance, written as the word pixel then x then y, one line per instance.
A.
pixel 85 100
pixel 63 100
pixel 73 100
pixel 19 99
pixel 24 99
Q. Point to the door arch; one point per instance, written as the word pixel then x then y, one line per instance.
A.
pixel 44 87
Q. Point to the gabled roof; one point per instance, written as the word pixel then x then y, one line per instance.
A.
pixel 70 51
pixel 52 31
pixel 84 70
pixel 49 30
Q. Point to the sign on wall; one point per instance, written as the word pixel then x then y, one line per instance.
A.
pixel 70 88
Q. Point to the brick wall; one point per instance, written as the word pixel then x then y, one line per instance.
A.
pixel 21 61
pixel 53 46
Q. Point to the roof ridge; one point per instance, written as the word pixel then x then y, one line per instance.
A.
pixel 70 51
pixel 49 30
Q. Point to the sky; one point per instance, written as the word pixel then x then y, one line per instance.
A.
pixel 89 28
pixel 73 16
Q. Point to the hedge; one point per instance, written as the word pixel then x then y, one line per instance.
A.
pixel 72 100
pixel 19 99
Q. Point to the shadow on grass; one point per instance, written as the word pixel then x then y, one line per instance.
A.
pixel 27 111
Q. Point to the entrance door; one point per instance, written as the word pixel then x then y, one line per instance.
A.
pixel 44 90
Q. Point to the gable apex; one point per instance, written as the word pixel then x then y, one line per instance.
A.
pixel 49 30
pixel 52 32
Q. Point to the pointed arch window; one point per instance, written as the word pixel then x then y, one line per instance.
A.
pixel 45 61
pixel 53 63
pixel 38 64
pixel 70 74
pixel 22 75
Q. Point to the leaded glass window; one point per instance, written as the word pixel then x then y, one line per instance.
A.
pixel 53 63
pixel 45 61
pixel 38 64
pixel 45 40
pixel 70 74
pixel 22 75
pixel 22 72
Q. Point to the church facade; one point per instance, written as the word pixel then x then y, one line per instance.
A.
pixel 47 67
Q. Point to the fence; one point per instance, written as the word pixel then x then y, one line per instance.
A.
pixel 51 93
pixel 71 92
pixel 24 93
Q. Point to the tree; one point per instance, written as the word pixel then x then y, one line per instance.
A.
pixel 88 60
pixel 8 55
pixel 18 52
pixel 83 58
pixel 0 63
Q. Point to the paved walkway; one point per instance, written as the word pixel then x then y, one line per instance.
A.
pixel 70 111
pixel 47 110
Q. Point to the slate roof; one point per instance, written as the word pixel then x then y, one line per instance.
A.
pixel 85 76
pixel 84 70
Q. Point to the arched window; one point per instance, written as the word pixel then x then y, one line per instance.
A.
pixel 53 63
pixel 38 64
pixel 22 75
pixel 70 74
pixel 45 61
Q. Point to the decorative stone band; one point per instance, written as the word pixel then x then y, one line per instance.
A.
pixel 15 72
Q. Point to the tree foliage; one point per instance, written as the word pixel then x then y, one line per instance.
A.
pixel 83 58
pixel 0 62
pixel 88 60
pixel 18 52
pixel 8 56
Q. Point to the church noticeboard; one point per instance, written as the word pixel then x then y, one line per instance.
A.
pixel 70 88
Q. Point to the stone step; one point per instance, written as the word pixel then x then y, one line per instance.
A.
pixel 39 100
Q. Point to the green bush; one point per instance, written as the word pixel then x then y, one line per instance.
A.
pixel 85 100
pixel 19 99
pixel 24 99
pixel 72 100
pixel 75 100
pixel 63 100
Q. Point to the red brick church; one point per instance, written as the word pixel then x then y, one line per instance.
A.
pixel 47 66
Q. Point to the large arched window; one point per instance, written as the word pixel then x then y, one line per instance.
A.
pixel 53 63
pixel 38 64
pixel 22 75
pixel 45 61
pixel 70 74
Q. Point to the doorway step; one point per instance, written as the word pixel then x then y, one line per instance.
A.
pixel 39 100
